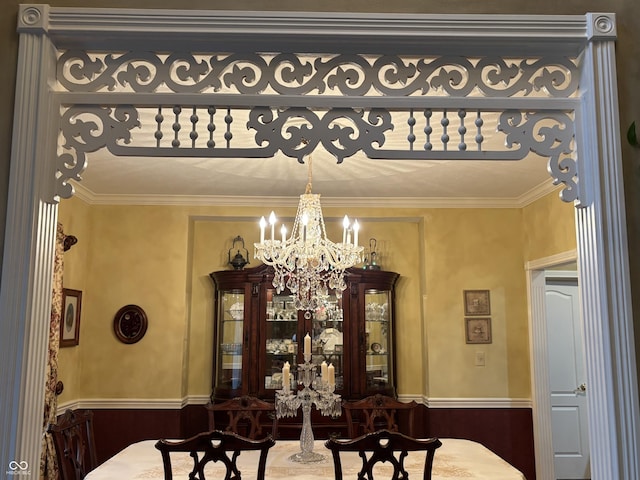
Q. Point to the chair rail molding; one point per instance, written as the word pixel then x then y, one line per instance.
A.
pixel 592 175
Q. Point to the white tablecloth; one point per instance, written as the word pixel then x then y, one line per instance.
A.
pixel 455 460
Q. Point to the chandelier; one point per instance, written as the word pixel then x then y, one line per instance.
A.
pixel 307 263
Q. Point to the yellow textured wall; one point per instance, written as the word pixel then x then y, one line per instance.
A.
pixel 160 257
pixel 75 220
pixel 137 255
pixel 475 249
pixel 548 215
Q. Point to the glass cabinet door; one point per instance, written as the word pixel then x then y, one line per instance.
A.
pixel 327 338
pixel 281 339
pixel 230 333
pixel 377 317
pixel 284 338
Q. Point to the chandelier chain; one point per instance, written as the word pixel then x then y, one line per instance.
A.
pixel 307 190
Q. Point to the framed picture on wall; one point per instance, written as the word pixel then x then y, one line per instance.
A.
pixel 70 321
pixel 476 302
pixel 478 330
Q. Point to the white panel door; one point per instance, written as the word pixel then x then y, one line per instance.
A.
pixel 567 381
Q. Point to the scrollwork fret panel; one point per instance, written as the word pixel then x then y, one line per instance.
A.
pixel 298 74
pixel 261 132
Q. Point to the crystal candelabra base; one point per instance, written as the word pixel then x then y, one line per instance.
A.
pixel 314 392
pixel 307 457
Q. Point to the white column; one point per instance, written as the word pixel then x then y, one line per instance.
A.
pixel 27 269
pixel 614 417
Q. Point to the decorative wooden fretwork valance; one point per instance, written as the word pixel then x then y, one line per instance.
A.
pixel 257 105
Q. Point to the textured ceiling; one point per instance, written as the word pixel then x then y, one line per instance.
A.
pixel 376 181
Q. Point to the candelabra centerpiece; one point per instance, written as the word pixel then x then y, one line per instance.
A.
pixel 307 262
pixel 316 390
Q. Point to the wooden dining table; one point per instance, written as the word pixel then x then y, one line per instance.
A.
pixel 456 459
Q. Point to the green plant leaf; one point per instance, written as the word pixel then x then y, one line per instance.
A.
pixel 631 135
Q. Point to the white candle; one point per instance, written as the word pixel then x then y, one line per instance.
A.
pixel 356 228
pixel 272 222
pixel 345 225
pixel 286 376
pixel 307 345
pixel 283 232
pixel 263 224
pixel 331 373
pixel 324 371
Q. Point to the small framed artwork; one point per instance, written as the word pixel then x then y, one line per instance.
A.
pixel 476 302
pixel 478 330
pixel 70 321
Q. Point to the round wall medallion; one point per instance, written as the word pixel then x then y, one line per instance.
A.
pixel 130 324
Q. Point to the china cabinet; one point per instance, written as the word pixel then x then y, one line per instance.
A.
pixel 257 330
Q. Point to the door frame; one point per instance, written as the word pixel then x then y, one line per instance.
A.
pixel 25 295
pixel 541 393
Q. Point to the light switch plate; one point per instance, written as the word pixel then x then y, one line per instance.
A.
pixel 480 359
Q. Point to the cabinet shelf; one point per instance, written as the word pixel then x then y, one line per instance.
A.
pixel 232 364
pixel 281 354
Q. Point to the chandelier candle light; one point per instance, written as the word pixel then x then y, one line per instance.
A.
pixel 307 263
pixel 318 391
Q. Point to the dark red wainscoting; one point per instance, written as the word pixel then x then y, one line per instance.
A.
pixel 508 432
pixel 114 429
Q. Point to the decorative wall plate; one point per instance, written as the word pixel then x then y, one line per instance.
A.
pixel 237 311
pixel 130 324
pixel 330 337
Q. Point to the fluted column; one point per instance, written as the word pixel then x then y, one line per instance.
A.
pixel 25 298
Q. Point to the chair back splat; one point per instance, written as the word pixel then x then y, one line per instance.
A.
pixel 377 412
pixel 214 446
pixel 74 444
pixel 245 416
pixel 383 446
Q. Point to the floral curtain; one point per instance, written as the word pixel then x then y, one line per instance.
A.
pixel 48 464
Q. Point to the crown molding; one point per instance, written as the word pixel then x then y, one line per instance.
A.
pixel 161 29
pixel 529 197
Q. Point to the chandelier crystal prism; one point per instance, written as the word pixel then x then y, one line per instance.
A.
pixel 307 263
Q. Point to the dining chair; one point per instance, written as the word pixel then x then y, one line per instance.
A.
pixel 74 444
pixel 245 415
pixel 376 412
pixel 214 446
pixel 383 446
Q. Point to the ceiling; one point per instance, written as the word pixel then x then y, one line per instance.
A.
pixel 358 180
